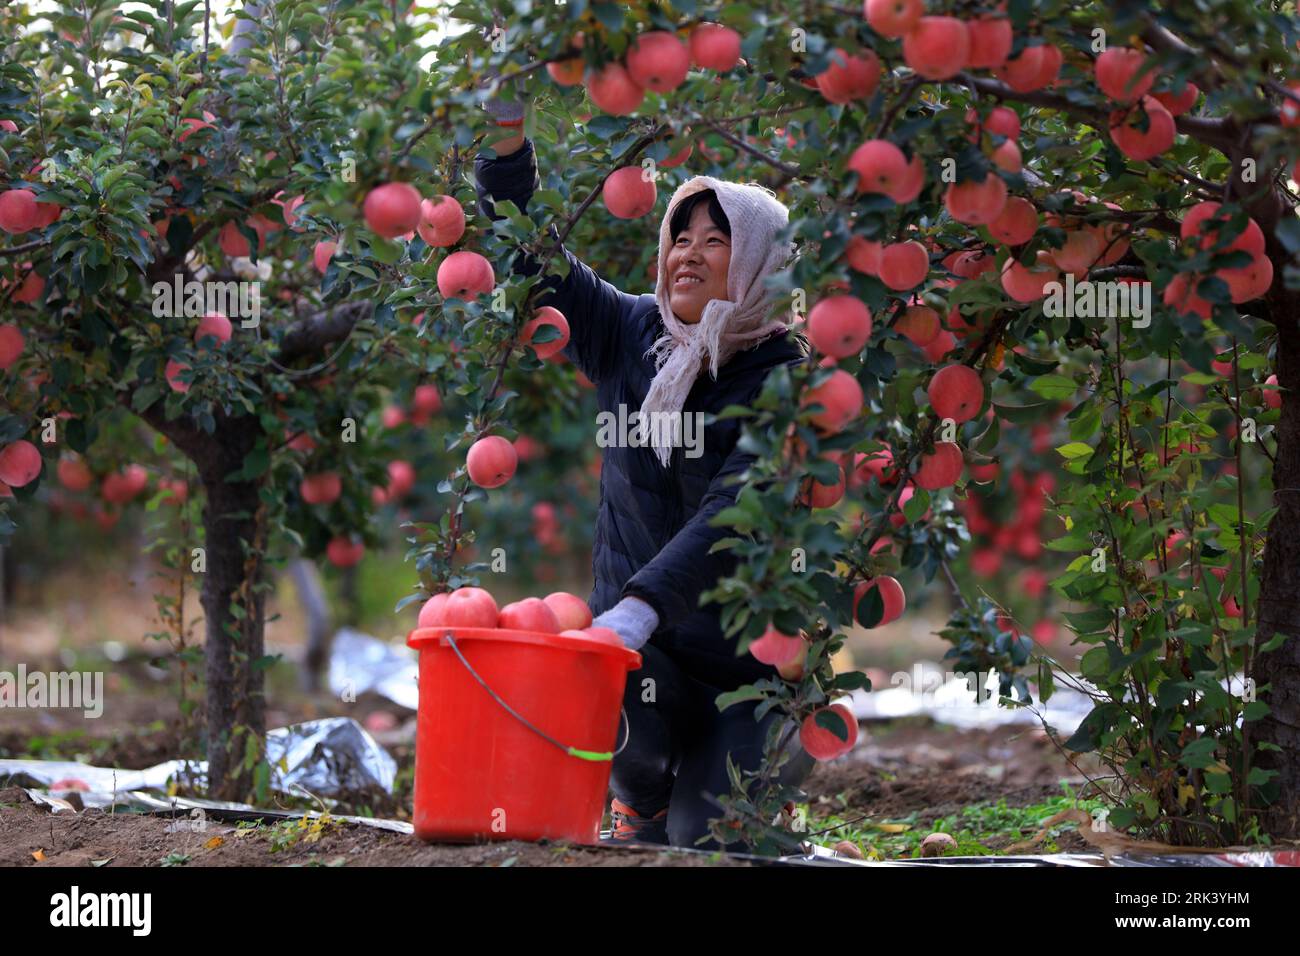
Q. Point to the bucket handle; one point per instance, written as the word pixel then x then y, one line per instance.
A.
pixel 595 756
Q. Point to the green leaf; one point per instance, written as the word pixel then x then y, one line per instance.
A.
pixel 831 720
pixel 1023 414
pixel 1199 754
pixel 1054 386
pixel 1288 232
pixel 871 609
pixel 1074 449
pixel 740 694
pixel 916 506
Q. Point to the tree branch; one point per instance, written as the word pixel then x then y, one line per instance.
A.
pixel 312 335
pixel 1220 132
pixel 25 247
pixel 787 170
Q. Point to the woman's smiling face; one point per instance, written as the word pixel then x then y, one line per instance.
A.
pixel 697 266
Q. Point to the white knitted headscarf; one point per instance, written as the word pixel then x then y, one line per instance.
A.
pixel 727 326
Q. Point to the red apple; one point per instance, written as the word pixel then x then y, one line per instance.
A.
pixel 775 648
pixel 614 91
pixel 18 211
pixel 891 595
pixel 841 396
pixel 878 464
pixel 658 61
pixel 469 607
pixel 817 495
pixel 425 401
pixel 120 487
pixel 919 324
pixel 942 344
pixel 491 461
pixel 20 463
pixel 1035 68
pixel 990 42
pixel 401 479
pixel 343 552
pixel 1116 71
pixel 977 202
pixel 216 325
pixel 1272 396
pixel 604 635
pixel 1181 296
pixel 864 255
pixel 839 326
pixel 1249 282
pixel 570 610
pixel 322 488
pixel 569 72
pixel 956 393
pixel 941 468
pixel 392 210
pixel 11 346
pixel 893 18
pixel 1136 143
pixel 172 372
pixel 628 194
pixel 880 165
pixel 442 221
pixel 465 275
pixel 31 288
pixel 74 474
pixel 546 315
pixel 937 48
pixel 431 612
pixel 1179 103
pixel 322 255
pixel 1026 284
pixel 850 76
pixel 232 241
pixel 714 47
pixel 530 614
pixel 823 744
pixel 1017 222
pixel 904 265
pixel 1007 157
pixel 912 183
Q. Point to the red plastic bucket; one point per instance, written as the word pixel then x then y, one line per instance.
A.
pixel 515 733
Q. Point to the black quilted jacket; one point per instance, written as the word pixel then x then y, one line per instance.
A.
pixel 652 535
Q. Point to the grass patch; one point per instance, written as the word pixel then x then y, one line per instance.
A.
pixel 982 829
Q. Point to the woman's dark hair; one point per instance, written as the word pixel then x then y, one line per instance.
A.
pixel 686 208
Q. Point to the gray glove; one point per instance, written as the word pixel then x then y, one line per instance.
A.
pixel 505 114
pixel 632 619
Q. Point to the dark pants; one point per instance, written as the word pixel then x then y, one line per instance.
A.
pixel 678 743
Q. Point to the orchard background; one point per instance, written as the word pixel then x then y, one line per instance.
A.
pixel 1111 496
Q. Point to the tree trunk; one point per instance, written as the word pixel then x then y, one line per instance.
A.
pixel 1279 598
pixel 349 596
pixel 4 593
pixel 233 598
pixel 311 595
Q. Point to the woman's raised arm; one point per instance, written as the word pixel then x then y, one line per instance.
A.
pixel 597 312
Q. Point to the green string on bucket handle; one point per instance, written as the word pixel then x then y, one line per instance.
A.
pixel 595 756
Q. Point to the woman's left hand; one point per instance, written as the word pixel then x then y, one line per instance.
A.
pixel 632 619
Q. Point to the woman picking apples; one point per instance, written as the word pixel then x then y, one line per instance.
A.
pixel 651 559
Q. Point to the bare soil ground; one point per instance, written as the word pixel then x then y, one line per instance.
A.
pixel 907 773
pixel 912 770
